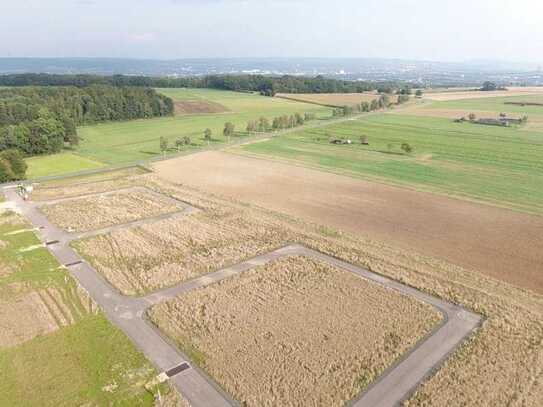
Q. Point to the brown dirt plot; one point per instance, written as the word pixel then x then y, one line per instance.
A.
pixel 500 243
pixel 198 106
pixel 289 333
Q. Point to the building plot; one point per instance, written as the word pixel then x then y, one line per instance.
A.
pixel 87 213
pixel 296 331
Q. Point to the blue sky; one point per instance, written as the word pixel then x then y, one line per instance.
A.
pixel 419 29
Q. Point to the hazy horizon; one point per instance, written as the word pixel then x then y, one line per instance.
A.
pixel 460 31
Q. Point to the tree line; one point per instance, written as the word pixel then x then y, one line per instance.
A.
pixel 382 102
pixel 41 120
pixel 266 85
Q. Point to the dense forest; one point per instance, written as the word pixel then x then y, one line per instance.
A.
pixel 266 85
pixel 40 120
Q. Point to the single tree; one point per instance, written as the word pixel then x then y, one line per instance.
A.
pixel 407 148
pixel 163 144
pixel 418 93
pixel 228 130
pixel 179 143
pixel 207 135
pixel 472 117
pixel 364 140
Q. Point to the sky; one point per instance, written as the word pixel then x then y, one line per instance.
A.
pixel 438 30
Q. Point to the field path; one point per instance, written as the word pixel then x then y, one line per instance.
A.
pixel 500 243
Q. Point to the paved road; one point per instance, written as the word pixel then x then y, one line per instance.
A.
pixel 128 313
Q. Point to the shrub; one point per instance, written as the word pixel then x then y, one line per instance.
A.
pixel 16 162
pixel 6 173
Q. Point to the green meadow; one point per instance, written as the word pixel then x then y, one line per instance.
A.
pixel 115 143
pixel 88 362
pixel 499 165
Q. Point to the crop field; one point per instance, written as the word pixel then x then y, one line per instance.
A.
pixel 107 209
pixel 453 94
pixel 503 166
pixel 123 142
pixel 236 324
pixel 59 164
pixel 56 348
pixel 332 99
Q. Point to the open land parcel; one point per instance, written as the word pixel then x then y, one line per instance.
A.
pixel 506 348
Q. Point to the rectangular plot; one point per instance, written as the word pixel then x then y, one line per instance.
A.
pixel 99 211
pixel 295 332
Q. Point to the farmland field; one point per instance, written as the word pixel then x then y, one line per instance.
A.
pixel 506 347
pixel 139 140
pixel 503 166
pixel 317 357
pixel 56 348
pixel 504 244
pixel 59 164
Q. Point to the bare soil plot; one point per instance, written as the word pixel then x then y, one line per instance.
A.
pixel 499 243
pixel 197 107
pixel 296 331
pixel 99 211
pixel 332 99
pixel 154 256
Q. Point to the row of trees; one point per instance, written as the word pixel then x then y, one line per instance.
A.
pixel 40 120
pixel 266 85
pixel 382 102
pixel 279 122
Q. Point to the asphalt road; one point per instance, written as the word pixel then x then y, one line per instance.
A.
pixel 128 313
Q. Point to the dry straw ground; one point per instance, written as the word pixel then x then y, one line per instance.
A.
pixel 99 211
pixel 295 332
pixel 501 365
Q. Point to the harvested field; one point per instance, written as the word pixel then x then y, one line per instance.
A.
pixel 332 99
pixel 497 242
pixel 512 91
pixel 249 334
pixel 158 255
pixel 198 107
pixel 99 211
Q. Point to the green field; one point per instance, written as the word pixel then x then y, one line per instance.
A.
pixel 492 164
pixel 495 104
pixel 75 364
pixel 123 142
pixel 59 164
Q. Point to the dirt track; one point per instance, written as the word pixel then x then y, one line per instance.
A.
pixel 497 242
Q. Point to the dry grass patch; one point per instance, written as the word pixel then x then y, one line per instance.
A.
pixel 27 313
pixel 99 211
pixel 295 332
pixel 154 256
